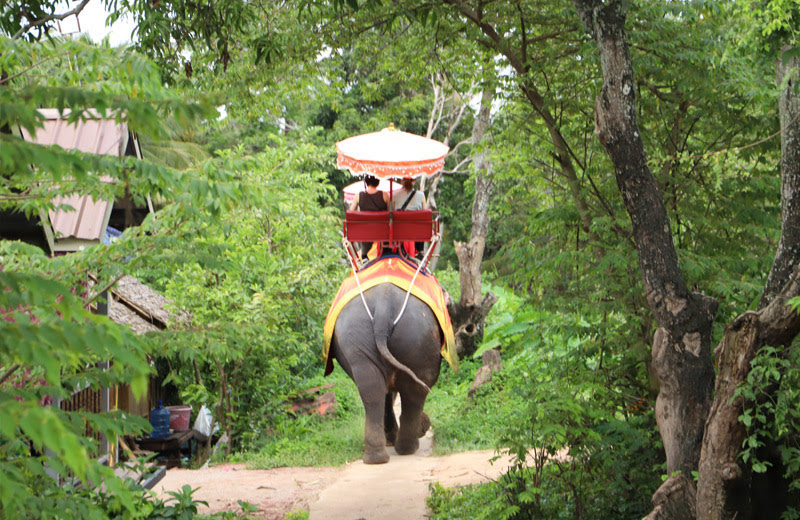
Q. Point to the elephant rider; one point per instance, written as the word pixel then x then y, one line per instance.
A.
pixel 372 199
pixel 409 199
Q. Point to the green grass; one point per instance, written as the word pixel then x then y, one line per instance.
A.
pixel 461 423
pixel 310 440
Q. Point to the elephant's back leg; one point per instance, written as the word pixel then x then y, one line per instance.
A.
pixel 354 348
pixel 416 342
pixel 354 339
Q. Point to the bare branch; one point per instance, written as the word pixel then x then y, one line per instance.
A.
pixel 461 109
pixel 436 91
pixel 460 143
pixel 50 18
pixel 457 168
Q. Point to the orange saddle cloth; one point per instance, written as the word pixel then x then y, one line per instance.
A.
pixel 399 272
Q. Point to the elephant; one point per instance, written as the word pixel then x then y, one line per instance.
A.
pixel 383 359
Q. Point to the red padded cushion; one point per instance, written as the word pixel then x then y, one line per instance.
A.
pixel 373 226
pixel 413 225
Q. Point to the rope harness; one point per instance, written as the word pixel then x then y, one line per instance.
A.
pixel 411 286
pixel 422 262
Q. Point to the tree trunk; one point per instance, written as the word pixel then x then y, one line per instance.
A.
pixel 723 486
pixel 469 313
pixel 788 251
pixel 724 489
pixel 681 345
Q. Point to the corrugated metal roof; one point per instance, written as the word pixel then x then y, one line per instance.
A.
pixel 87 222
pixel 100 136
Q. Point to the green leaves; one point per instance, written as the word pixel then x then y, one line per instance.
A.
pixel 51 345
pixel 45 325
pixel 47 332
pixel 770 395
pixel 124 87
pixel 252 257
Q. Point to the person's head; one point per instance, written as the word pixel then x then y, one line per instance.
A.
pixel 369 180
pixel 408 183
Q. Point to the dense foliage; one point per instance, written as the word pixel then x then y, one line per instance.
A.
pixel 255 282
pixel 246 245
pixel 51 345
pixel 235 231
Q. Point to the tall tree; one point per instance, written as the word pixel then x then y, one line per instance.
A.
pixel 681 354
pixel 469 313
pixel 723 476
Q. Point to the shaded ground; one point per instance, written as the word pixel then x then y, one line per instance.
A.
pixel 396 490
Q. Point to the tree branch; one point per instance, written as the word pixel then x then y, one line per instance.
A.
pixel 50 18
pixel 23 71
pixel 9 373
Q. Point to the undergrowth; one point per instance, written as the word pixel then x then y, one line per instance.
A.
pixel 311 440
pixel 461 423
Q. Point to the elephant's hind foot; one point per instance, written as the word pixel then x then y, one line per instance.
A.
pixel 406 446
pixel 376 456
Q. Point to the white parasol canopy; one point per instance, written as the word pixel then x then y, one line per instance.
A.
pixel 391 153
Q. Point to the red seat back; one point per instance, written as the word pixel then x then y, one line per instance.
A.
pixel 414 225
pixel 373 226
pixel 366 226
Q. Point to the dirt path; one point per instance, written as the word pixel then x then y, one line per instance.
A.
pixel 396 490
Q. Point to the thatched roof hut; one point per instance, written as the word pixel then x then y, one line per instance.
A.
pixel 141 308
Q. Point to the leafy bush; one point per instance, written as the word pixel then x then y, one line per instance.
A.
pixel 313 440
pixel 583 445
pixel 51 346
pixel 256 282
pixel 461 423
pixel 473 502
pixel 772 418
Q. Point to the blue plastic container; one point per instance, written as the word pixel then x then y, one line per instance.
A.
pixel 159 418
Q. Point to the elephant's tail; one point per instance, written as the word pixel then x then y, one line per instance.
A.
pixel 383 348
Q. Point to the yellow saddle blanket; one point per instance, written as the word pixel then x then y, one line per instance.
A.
pixel 399 272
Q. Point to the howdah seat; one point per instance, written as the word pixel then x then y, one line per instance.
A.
pixel 390 229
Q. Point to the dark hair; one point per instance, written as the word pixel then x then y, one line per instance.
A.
pixel 407 182
pixel 371 181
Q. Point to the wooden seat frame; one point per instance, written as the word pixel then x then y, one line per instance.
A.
pixel 389 229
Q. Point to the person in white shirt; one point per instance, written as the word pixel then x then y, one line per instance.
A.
pixel 409 199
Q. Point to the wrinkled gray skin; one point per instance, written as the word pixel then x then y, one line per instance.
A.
pixel 414 343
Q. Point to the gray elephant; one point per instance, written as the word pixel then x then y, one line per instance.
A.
pixel 384 358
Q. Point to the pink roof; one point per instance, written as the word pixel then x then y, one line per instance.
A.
pixel 87 222
pixel 99 136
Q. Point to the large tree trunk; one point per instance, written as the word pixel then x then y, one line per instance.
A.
pixel 723 485
pixel 469 313
pixel 681 345
pixel 788 251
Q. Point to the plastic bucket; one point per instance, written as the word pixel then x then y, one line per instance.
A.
pixel 179 417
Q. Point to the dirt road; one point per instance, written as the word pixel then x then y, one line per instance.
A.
pixel 396 490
